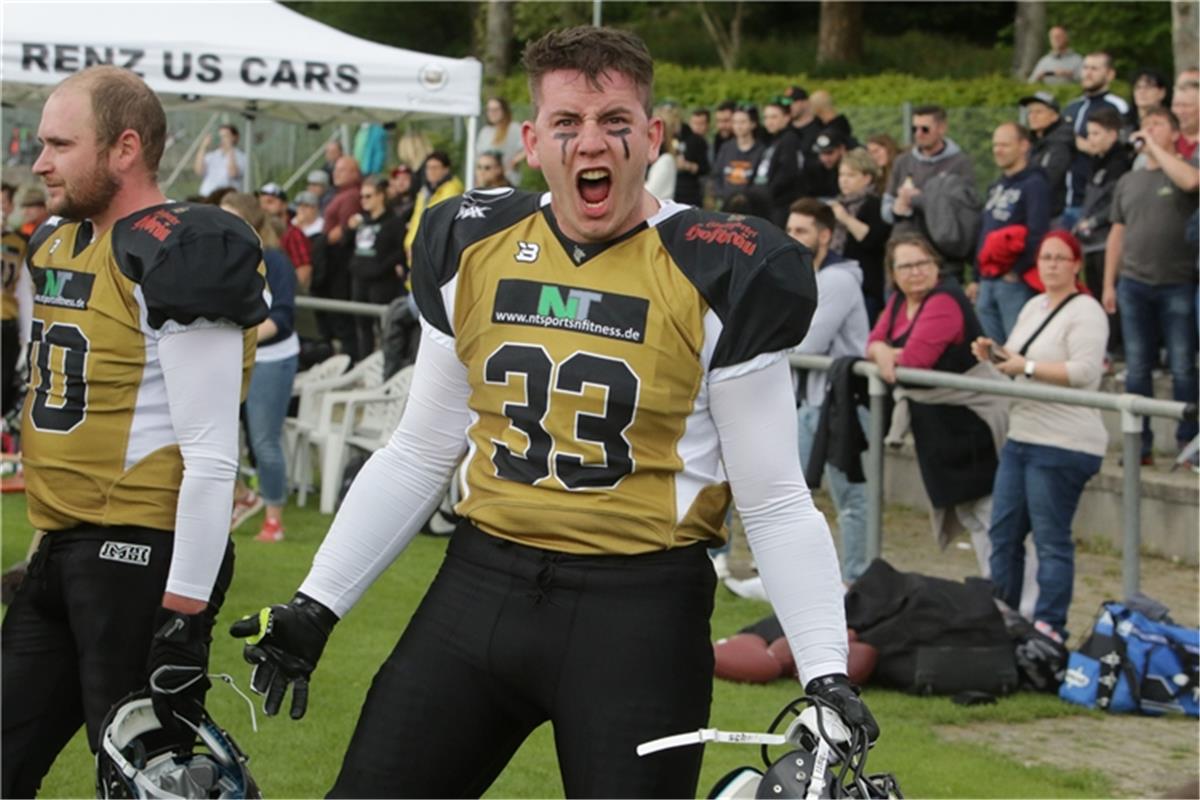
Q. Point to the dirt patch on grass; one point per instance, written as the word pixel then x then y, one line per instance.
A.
pixel 1142 756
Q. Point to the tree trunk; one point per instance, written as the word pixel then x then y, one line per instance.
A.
pixel 1029 37
pixel 497 47
pixel 1184 22
pixel 728 41
pixel 840 34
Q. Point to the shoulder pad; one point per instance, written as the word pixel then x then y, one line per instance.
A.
pixel 449 228
pixel 42 233
pixel 758 281
pixel 192 261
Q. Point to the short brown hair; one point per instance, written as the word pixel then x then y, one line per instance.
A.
pixel 1165 113
pixel 592 51
pixel 814 208
pixel 122 101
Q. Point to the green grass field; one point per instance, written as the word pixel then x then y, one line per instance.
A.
pixel 300 759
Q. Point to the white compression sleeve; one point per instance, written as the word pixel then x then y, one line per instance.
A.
pixel 790 539
pixel 400 484
pixel 202 371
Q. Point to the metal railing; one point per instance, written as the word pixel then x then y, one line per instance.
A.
pixel 1132 408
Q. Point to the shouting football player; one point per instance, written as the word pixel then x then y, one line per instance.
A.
pixel 612 366
pixel 142 341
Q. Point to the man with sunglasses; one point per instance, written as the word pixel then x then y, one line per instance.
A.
pixel 933 153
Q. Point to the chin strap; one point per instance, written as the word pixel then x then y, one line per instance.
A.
pixel 709 735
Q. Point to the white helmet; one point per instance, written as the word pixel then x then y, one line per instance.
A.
pixel 135 761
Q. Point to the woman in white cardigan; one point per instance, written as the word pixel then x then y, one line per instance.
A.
pixel 1053 449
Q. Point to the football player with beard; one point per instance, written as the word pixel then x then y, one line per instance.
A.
pixel 611 366
pixel 142 343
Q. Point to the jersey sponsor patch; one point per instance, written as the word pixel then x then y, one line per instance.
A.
pixel 125 553
pixel 573 308
pixel 62 287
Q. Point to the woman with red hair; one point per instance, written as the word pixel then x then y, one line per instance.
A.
pixel 1052 449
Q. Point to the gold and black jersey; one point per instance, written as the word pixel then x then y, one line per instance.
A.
pixel 12 260
pixel 98 443
pixel 589 365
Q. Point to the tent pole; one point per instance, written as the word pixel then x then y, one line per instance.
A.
pixel 186 161
pixel 469 167
pixel 248 178
pixel 308 162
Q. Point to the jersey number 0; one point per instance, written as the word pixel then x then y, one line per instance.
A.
pixel 59 409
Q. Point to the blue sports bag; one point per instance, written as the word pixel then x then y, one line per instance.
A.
pixel 1132 663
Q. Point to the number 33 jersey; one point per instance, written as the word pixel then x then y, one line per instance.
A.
pixel 97 439
pixel 589 365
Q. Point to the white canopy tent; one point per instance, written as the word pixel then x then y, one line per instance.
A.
pixel 255 58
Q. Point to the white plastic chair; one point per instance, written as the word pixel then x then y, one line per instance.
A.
pixel 329 368
pixel 368 419
pixel 312 422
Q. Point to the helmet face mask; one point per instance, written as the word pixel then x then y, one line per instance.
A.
pixel 826 758
pixel 135 760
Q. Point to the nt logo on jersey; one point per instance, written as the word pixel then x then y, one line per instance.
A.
pixel 62 287
pixel 545 305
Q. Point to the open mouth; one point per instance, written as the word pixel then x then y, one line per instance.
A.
pixel 594 186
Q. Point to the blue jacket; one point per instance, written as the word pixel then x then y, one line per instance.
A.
pixel 281 284
pixel 1021 199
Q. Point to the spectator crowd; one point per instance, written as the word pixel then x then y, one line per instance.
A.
pixel 1081 252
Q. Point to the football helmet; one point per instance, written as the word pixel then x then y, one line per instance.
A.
pixel 136 760
pixel 825 757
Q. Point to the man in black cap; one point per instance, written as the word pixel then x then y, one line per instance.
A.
pixel 821 173
pixel 804 121
pixel 274 202
pixel 1053 144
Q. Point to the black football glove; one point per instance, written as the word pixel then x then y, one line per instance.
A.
pixel 837 691
pixel 284 642
pixel 177 671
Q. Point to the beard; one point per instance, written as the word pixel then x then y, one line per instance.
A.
pixel 87 196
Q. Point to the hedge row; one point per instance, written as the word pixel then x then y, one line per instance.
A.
pixel 691 87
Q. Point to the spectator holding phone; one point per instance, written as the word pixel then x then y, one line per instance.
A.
pixel 1052 449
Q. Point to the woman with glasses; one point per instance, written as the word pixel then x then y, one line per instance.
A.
pixel 1052 449
pixel 378 266
pixel 489 170
pixel 1150 89
pixel 930 324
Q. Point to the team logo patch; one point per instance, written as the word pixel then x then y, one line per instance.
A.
pixel 125 553
pixel 62 287
pixel 572 308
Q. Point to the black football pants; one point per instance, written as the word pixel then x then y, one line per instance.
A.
pixel 612 650
pixel 76 638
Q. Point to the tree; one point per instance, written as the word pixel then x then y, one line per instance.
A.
pixel 1029 36
pixel 1184 22
pixel 726 37
pixel 840 32
pixel 498 40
